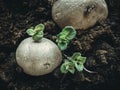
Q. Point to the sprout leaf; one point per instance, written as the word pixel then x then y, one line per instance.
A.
pixel 79 66
pixel 38 36
pixel 37 32
pixel 62 45
pixel 39 27
pixel 69 32
pixel 30 32
pixel 64 37
pixel 75 62
pixel 67 67
pixel 77 57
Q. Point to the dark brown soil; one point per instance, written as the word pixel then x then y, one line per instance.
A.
pixel 100 44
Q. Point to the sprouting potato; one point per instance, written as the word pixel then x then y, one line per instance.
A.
pixel 81 14
pixel 38 58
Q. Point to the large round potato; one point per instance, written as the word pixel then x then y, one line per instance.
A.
pixel 81 14
pixel 38 58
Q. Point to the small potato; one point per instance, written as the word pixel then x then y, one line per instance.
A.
pixel 81 14
pixel 38 58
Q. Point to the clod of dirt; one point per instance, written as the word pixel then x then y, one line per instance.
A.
pixel 81 14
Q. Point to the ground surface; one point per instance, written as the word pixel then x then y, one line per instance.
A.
pixel 102 50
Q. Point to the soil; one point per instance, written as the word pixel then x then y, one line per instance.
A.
pixel 100 44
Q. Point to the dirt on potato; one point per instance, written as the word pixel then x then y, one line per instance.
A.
pixel 100 44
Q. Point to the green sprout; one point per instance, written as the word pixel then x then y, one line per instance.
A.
pixel 36 32
pixel 75 62
pixel 67 67
pixel 64 37
pixel 78 61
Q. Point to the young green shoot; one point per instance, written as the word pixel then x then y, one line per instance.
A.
pixel 76 62
pixel 36 32
pixel 64 37
pixel 67 67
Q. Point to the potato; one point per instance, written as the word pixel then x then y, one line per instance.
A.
pixel 81 14
pixel 38 58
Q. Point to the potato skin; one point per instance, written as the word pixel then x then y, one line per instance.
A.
pixel 38 58
pixel 81 14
